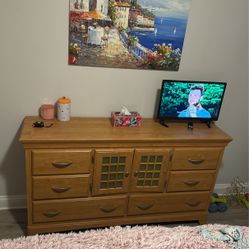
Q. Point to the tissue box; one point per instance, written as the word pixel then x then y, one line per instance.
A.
pixel 133 120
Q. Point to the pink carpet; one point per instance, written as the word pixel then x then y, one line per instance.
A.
pixel 138 237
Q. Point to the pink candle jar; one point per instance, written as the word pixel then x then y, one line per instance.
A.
pixel 47 111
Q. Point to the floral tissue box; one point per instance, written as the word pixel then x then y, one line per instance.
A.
pixel 133 120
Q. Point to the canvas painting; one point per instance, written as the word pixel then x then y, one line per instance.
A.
pixel 131 34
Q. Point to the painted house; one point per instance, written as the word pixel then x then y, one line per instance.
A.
pixel 133 16
pixel 102 6
pixel 137 18
pixel 99 5
pixel 145 21
pixel 122 11
pixel 79 5
pixel 85 11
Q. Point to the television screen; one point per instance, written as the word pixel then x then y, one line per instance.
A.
pixel 191 99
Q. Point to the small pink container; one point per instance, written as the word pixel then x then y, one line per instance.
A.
pixel 47 111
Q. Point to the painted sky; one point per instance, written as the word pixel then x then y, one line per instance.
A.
pixel 169 8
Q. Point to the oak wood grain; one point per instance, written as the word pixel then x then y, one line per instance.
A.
pixel 190 180
pixel 78 208
pixel 62 186
pixel 45 162
pixel 64 168
pixel 167 203
pixel 100 130
pixel 195 158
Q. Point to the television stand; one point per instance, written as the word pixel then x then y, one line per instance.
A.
pixel 208 123
pixel 162 122
pixel 190 125
pixel 88 174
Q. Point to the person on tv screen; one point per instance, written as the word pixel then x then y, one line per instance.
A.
pixel 195 110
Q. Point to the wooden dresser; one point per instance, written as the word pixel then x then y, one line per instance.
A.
pixel 85 173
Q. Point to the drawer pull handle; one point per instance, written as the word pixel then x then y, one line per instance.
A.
pixel 60 190
pixel 61 164
pixel 108 210
pixel 51 213
pixel 196 161
pixel 191 183
pixel 145 206
pixel 193 204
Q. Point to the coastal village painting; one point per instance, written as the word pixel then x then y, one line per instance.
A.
pixel 131 34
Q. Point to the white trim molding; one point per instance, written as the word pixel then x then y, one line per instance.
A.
pixel 222 189
pixel 12 202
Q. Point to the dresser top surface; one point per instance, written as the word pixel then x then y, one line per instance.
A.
pixel 101 130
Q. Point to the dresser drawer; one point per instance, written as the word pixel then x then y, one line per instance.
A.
pixel 79 208
pixel 195 158
pixel 167 203
pixel 190 180
pixel 52 162
pixel 66 186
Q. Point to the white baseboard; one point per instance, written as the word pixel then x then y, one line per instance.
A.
pixel 19 201
pixel 12 202
pixel 221 189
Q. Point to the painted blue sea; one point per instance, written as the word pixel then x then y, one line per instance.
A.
pixel 167 30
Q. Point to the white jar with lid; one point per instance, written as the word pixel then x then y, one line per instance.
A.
pixel 63 109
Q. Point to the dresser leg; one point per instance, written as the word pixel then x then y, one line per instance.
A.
pixel 30 231
pixel 203 219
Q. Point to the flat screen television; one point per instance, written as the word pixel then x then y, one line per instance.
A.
pixel 200 100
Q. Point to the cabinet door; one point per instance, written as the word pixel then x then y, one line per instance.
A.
pixel 111 171
pixel 149 170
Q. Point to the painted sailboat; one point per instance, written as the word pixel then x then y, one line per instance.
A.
pixel 155 31
pixel 174 32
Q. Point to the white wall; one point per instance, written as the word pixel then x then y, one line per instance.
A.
pixel 33 65
pixel 248 84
